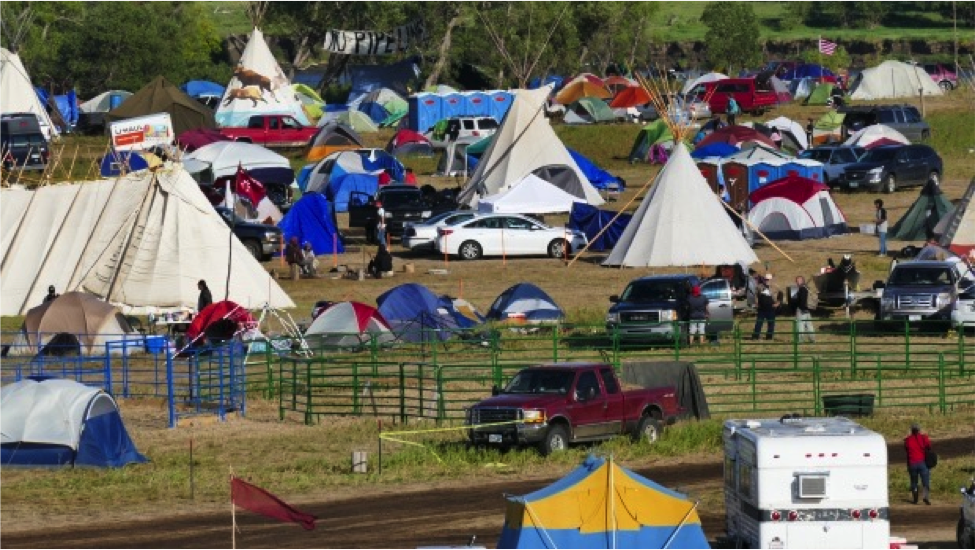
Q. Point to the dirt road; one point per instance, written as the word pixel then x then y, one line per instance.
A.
pixel 434 517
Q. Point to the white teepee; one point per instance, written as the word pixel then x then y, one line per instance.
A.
pixel 17 94
pixel 526 144
pixel 680 223
pixel 258 86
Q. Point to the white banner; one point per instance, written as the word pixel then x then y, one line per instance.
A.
pixel 375 43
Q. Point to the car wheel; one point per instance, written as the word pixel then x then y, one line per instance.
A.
pixel 890 184
pixel 556 440
pixel 558 248
pixel 254 248
pixel 648 430
pixel 469 250
pixel 946 85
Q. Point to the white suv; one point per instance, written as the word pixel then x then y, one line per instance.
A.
pixel 464 126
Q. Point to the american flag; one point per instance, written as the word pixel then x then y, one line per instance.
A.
pixel 826 47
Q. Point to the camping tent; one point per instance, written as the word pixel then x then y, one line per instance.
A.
pixel 142 241
pixel 258 87
pixel 415 314
pixel 875 135
pixel 958 228
pixel 828 128
pixel 159 96
pixel 380 104
pixel 680 223
pixel 311 220
pixel 220 321
pixel 360 161
pixel 525 302
pixel 223 157
pixel 919 221
pixel 602 505
pixel 104 102
pixel 599 178
pixel 808 70
pixel 593 221
pixel 340 189
pixel 331 137
pixel 579 89
pixel 631 96
pixel 93 323
pixel 821 94
pixel 796 208
pixel 526 144
pixel 655 134
pixel 800 88
pixel 311 102
pixel 737 136
pixel 588 110
pixel 531 195
pixel 116 163
pixel 349 324
pixel 893 79
pixel 357 120
pixel 54 422
pixel 191 140
pixel 202 88
pixel 719 150
pixel 409 143
pixel 703 79
pixel 793 131
pixel 18 92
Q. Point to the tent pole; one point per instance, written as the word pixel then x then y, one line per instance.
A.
pixel 679 525
pixel 612 497
pixel 751 225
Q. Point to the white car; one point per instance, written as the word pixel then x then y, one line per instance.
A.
pixel 508 235
pixel 420 236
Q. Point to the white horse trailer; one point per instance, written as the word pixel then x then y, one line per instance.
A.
pixel 805 483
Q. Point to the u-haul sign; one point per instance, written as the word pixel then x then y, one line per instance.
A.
pixel 142 133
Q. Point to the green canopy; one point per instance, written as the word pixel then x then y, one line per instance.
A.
pixel 820 95
pixel 597 109
pixel 830 121
pixel 921 218
pixel 479 147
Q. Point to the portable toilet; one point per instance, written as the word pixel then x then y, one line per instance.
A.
pixel 709 169
pixel 426 109
pixel 736 178
pixel 762 172
pixel 500 103
pixel 806 168
pixel 453 105
pixel 114 100
pixel 478 103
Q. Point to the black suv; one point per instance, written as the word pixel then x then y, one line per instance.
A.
pixel 402 203
pixel 904 118
pixel 891 166
pixel 261 240
pixel 22 143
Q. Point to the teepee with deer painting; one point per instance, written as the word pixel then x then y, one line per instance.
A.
pixel 258 87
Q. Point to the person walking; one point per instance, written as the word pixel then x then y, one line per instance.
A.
pixel 917 444
pixel 765 312
pixel 698 306
pixel 51 295
pixel 380 224
pixel 804 326
pixel 205 297
pixel 733 111
pixel 880 220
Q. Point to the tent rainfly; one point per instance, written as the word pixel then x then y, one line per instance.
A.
pixel 141 241
pixel 958 228
pixel 526 144
pixel 18 93
pixel 920 220
pixel 680 223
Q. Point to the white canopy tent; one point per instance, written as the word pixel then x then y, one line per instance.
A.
pixel 223 158
pixel 102 103
pixel 141 242
pixel 17 94
pixel 531 195
pixel 680 223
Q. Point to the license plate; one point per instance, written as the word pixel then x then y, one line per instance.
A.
pixel 913 317
pixel 494 438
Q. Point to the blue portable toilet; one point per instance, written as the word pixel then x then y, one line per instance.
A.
pixel 310 219
pixel 806 168
pixel 479 103
pixel 762 172
pixel 453 105
pixel 426 109
pixel 500 103
pixel 114 100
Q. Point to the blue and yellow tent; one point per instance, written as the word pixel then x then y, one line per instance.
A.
pixel 602 505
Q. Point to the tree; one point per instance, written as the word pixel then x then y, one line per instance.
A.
pixel 839 60
pixel 732 37
pixel 611 32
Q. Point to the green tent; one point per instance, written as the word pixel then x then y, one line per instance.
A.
pixel 160 96
pixel 655 133
pixel 306 90
pixel 478 148
pixel 830 121
pixel 595 108
pixel 820 94
pixel 358 121
pixel 921 218
pixel 393 119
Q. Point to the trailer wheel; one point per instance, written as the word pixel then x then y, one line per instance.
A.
pixel 556 440
pixel 648 430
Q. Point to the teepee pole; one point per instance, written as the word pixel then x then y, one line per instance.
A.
pixel 618 214
pixel 756 230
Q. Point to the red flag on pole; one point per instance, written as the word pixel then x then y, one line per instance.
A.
pixel 257 500
pixel 246 186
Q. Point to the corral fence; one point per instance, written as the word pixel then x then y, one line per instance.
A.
pixel 901 367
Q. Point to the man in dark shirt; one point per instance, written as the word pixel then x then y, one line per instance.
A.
pixel 698 307
pixel 765 311
pixel 205 298
pixel 51 295
pixel 880 220
pixel 804 326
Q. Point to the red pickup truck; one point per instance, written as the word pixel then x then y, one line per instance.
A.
pixel 272 131
pixel 554 405
pixel 749 94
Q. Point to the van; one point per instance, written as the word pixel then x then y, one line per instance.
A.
pixel 22 143
pixel 751 96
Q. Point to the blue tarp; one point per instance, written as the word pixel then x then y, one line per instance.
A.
pixel 67 105
pixel 414 314
pixel 715 150
pixel 113 163
pixel 807 70
pixel 200 88
pixel 527 301
pixel 591 220
pixel 310 219
pixel 538 82
pixel 395 76
pixel 598 177
pixel 304 175
pixel 341 188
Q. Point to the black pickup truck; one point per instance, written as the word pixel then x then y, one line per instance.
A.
pixel 262 241
pixel 402 203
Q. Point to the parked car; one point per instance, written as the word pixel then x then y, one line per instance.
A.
pixel 835 159
pixel 402 203
pixel 749 94
pixel 904 118
pixel 461 127
pixel 942 75
pixel 508 235
pixel 552 406
pixel 22 143
pixel 262 241
pixel 422 236
pixel 891 166
pixel 648 307
pixel 924 290
pixel 272 131
pixel 684 109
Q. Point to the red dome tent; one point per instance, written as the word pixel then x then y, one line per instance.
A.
pixel 220 321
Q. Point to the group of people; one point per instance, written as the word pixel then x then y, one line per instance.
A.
pixel 768 306
pixel 302 256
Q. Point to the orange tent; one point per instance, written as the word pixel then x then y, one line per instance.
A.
pixel 630 97
pixel 580 89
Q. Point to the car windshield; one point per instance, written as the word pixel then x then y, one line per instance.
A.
pixel 405 197
pixel 650 291
pixel 883 154
pixel 820 155
pixel 540 381
pixel 921 276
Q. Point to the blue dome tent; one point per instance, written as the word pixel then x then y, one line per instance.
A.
pixel 415 314
pixel 202 88
pixel 714 150
pixel 525 301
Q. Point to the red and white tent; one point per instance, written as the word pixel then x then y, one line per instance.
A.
pixel 876 135
pixel 796 208
pixel 349 324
